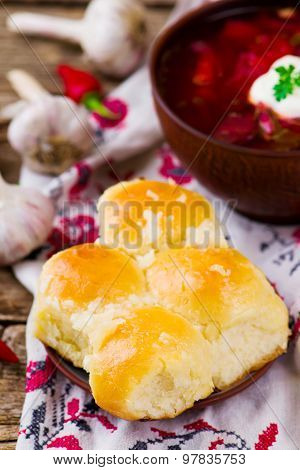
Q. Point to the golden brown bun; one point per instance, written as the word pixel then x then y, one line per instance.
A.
pixel 75 284
pixel 144 215
pixel 89 272
pixel 224 293
pixel 161 325
pixel 153 364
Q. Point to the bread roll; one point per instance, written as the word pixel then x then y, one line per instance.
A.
pixel 74 285
pixel 143 215
pixel 154 364
pixel 161 316
pixel 224 293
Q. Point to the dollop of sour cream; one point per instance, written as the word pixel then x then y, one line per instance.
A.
pixel 262 90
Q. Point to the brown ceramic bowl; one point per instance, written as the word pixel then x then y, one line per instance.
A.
pixel 265 185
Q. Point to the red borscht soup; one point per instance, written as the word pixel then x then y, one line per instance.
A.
pixel 205 74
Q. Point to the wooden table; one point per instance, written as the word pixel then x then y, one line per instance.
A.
pixel 40 59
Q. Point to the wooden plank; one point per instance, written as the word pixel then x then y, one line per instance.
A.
pixel 11 407
pixel 156 3
pixel 8 432
pixel 12 387
pixel 8 445
pixel 15 300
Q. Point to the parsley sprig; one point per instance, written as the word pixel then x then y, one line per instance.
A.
pixel 289 79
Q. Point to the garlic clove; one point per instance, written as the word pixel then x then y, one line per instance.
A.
pixel 26 217
pixel 45 25
pixel 51 134
pixel 25 85
pixel 10 111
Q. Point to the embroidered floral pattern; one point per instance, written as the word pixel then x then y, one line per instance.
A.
pixel 171 168
pixel 214 444
pixel 65 442
pixel 84 173
pixel 199 431
pixel 75 225
pixel 62 416
pixel 76 416
pixel 39 375
pixel 69 417
pixel 116 106
pixel 267 438
pixel 47 427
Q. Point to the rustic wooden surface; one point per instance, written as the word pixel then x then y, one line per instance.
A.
pixel 83 2
pixel 39 57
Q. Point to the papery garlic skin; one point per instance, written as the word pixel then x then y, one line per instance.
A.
pixel 10 111
pixel 51 134
pixel 113 35
pixel 26 218
pixel 262 90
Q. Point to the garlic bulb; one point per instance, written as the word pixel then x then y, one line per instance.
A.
pixel 52 132
pixel 26 219
pixel 111 33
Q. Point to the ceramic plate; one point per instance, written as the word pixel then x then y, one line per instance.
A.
pixel 81 378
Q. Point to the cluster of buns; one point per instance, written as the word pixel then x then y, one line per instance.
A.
pixel 159 311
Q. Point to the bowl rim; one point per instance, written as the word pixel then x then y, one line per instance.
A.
pixel 157 46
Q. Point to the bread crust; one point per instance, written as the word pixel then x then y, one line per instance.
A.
pixel 159 334
pixel 143 215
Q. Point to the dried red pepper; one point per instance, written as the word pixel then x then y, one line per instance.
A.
pixel 83 87
pixel 6 354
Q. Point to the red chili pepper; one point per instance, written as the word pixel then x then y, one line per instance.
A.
pixel 83 87
pixel 78 83
pixel 6 354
